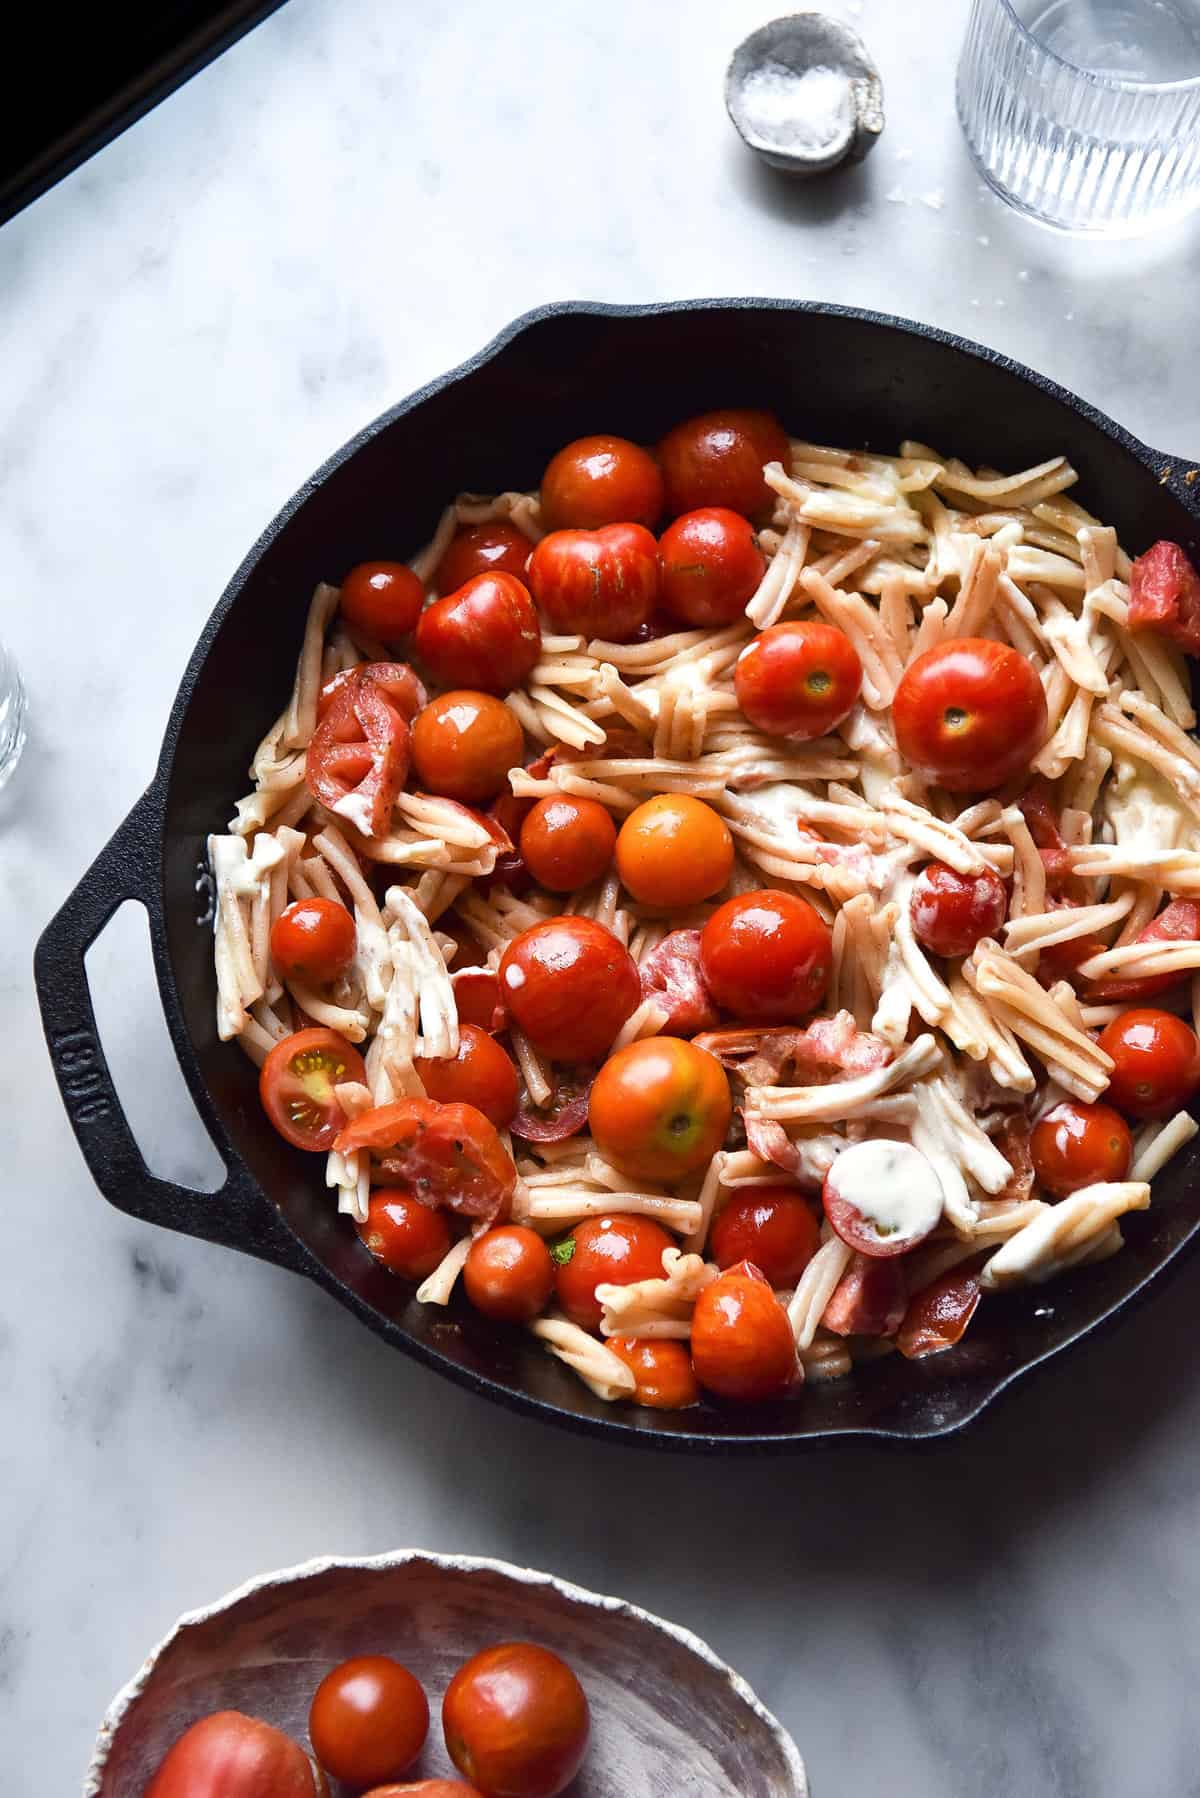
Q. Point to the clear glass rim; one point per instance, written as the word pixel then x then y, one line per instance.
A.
pixel 1118 83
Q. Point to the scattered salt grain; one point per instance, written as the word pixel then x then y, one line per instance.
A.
pixel 935 200
pixel 898 197
pixel 983 239
pixel 1022 274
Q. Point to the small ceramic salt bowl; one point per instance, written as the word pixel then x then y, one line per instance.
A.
pixel 669 1720
pixel 804 94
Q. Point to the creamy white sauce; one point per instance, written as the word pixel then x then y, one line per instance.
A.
pixel 1143 812
pixel 892 1186
pixel 357 808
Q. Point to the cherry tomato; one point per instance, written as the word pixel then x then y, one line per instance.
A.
pixel 710 566
pixel 567 843
pixel 480 1074
pixel 368 1720
pixel 952 912
pixel 970 714
pixel 410 1239
pixel 496 547
pixel 381 599
pixel 674 850
pixel 563 1114
pixel 313 939
pixel 600 583
pixel 718 459
pixel 509 1274
pixel 477 996
pixel 600 480
pixel 883 1197
pixel 938 1315
pixel 660 1108
pixel 227 1755
pixel 357 760
pixel 1077 1145
pixel 444 1154
pixel 297 1081
pixel 427 1788
pixel 1164 595
pixel 870 1299
pixel 484 635
pixel 742 1342
pixel 396 678
pixel 570 985
pixel 766 956
pixel 464 744
pixel 663 1371
pixel 612 1251
pixel 772 1227
pixel 798 680
pixel 516 1721
pixel 1157 1062
pixel 1177 922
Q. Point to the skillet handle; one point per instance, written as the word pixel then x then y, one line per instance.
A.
pixel 237 1216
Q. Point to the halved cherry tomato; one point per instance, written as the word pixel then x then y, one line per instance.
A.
pixel 1077 1145
pixel 606 1251
pixel 970 714
pixel 710 566
pixel 397 679
pixel 409 1239
pixel 564 1113
pixel 569 984
pixel 601 583
pixel 1164 595
pixel 381 599
pixel 771 1226
pixel 228 1755
pixel 600 480
pixel 938 1315
pixel 883 1197
pixel 766 956
pixel 313 939
pixel 870 1299
pixel 567 843
pixel 951 912
pixel 477 996
pixel 742 1342
pixel 516 1721
pixel 674 850
pixel 663 1371
pixel 660 1108
pixel 368 1720
pixel 1156 1062
pixel 480 1074
pixel 717 459
pixel 297 1081
pixel 485 635
pixel 357 760
pixel 509 1274
pixel 671 976
pixel 464 743
pixel 496 547
pixel 798 680
pixel 444 1154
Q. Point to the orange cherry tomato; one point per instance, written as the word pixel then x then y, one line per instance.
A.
pixel 410 1239
pixel 509 1274
pixel 464 744
pixel 485 635
pixel 381 599
pixel 951 912
pixel 772 1227
pixel 600 480
pixel 228 1755
pixel 359 751
pixel 516 1721
pixel 742 1342
pixel 444 1154
pixel 368 1720
pixel 313 939
pixel 970 714
pixel 602 583
pixel 766 956
pixel 798 680
pixel 663 1371
pixel 660 1108
pixel 1076 1145
pixel 567 843
pixel 674 850
pixel 396 678
pixel 717 459
pixel 569 984
pixel 480 1074
pixel 496 547
pixel 296 1086
pixel 612 1251
pixel 710 566
pixel 1157 1062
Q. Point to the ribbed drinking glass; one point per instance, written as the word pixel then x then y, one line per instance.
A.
pixel 12 715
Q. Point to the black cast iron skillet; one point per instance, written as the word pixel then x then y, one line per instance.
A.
pixel 841 376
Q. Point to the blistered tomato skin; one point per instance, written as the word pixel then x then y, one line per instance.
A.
pixel 479 1074
pixel 484 636
pixel 569 984
pixel 406 1237
pixel 228 1755
pixel 770 1226
pixel 509 1274
pixel 951 912
pixel 766 956
pixel 600 480
pixel 567 843
pixel 463 745
pixel 496 547
pixel 1156 1063
pixel 1076 1145
pixel 598 583
pixel 970 714
pixel 742 1343
pixel 711 566
pixel 798 680
pixel 382 600
pixel 673 850
pixel 368 1720
pixel 663 1371
pixel 606 1251
pixel 717 459
pixel 516 1721
pixel 660 1108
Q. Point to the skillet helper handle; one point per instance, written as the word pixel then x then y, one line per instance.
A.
pixel 237 1216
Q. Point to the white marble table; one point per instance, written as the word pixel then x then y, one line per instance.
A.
pixel 355 197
